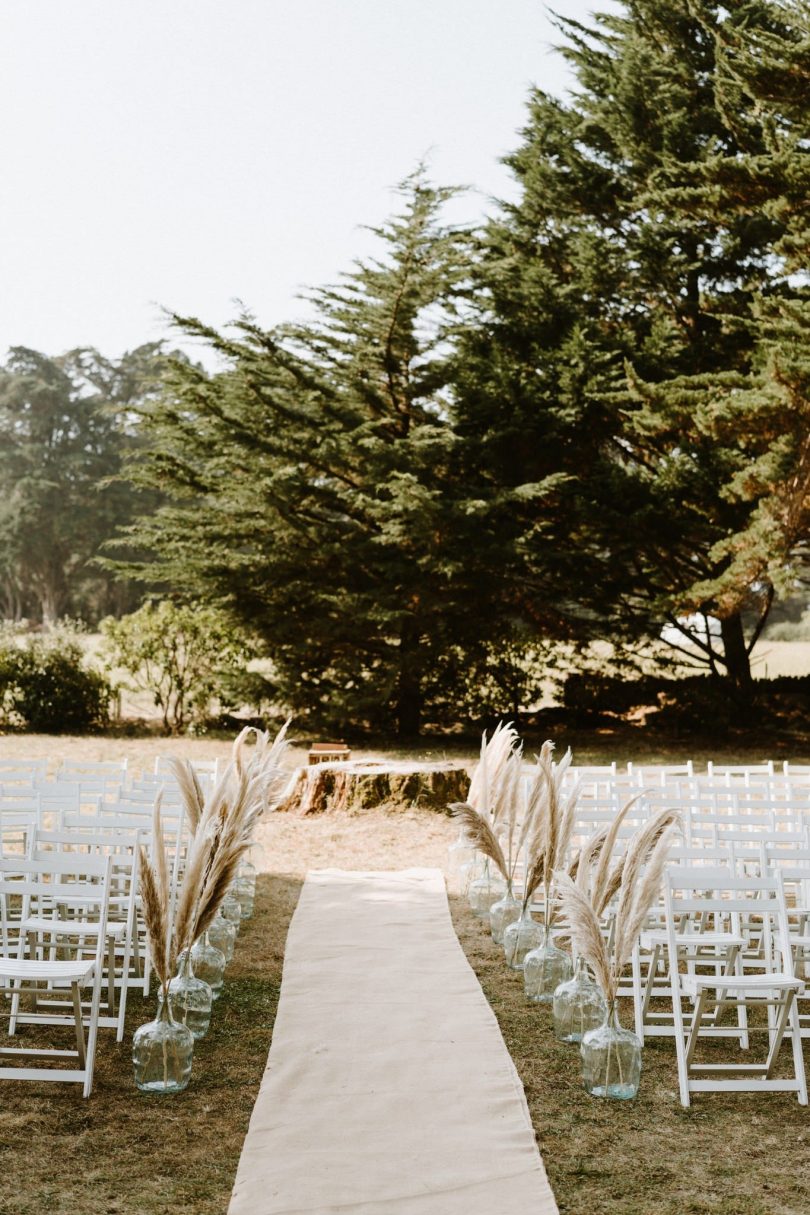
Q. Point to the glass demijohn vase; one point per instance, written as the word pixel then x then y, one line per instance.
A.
pixel 520 937
pixel 209 964
pixel 544 969
pixel 231 909
pixel 244 887
pixel 222 935
pixel 162 1051
pixel 484 891
pixel 502 913
pixel 190 998
pixel 611 1060
pixel 579 1005
pixel 460 862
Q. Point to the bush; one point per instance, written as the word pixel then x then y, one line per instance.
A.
pixel 45 686
pixel 184 656
pixel 697 704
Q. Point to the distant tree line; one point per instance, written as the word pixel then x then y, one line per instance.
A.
pixel 67 424
pixel 587 419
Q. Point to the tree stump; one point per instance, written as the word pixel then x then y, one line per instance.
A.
pixel 364 784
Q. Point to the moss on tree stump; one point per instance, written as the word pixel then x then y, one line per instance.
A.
pixel 364 784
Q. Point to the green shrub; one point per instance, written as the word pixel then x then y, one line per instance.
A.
pixel 696 704
pixel 45 686
pixel 184 656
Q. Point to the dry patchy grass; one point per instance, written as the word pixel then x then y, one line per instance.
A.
pixel 729 1154
pixel 122 1152
pixel 125 1153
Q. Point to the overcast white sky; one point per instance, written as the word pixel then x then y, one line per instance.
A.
pixel 187 153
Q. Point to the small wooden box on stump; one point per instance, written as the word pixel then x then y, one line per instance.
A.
pixel 329 753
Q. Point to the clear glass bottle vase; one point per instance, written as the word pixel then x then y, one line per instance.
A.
pixel 460 863
pixel 231 909
pixel 502 913
pixel 190 997
pixel 485 890
pixel 244 888
pixel 520 938
pixel 222 935
pixel 579 1005
pixel 162 1052
pixel 209 964
pixel 544 969
pixel 611 1060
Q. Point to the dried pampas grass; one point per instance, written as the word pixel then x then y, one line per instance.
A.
pixel 635 877
pixel 190 790
pixel 222 827
pixel 486 787
pixel 480 835
pixel 153 883
pixel 551 816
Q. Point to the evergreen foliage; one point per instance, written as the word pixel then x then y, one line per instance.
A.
pixel 65 425
pixel 624 324
pixel 312 483
pixel 588 421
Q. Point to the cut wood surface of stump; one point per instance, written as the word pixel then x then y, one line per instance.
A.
pixel 364 784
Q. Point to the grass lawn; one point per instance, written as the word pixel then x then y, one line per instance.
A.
pixel 600 746
pixel 121 1152
pixel 125 1153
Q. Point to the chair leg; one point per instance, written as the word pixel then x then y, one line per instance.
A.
pixel 680 1043
pixel 637 996
pixel 111 976
pixel 798 1054
pixel 694 1029
pixel 77 1014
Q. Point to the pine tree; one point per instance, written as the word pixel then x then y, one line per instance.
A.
pixel 310 482
pixel 621 327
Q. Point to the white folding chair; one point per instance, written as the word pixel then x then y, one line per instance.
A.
pixel 699 942
pixel 762 979
pixel 123 957
pixel 40 887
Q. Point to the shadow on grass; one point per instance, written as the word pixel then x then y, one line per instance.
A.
pixel 728 1154
pixel 121 1152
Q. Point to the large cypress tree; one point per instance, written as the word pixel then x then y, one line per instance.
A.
pixel 310 483
pixel 620 326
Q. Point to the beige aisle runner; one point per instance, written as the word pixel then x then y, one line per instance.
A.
pixel 388 1089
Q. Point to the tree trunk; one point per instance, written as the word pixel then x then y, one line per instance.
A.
pixel 360 785
pixel 737 660
pixel 409 686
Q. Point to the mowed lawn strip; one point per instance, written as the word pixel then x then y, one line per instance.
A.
pixel 728 1154
pixel 122 1152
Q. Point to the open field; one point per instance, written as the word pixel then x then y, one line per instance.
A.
pixel 123 1153
pixel 589 746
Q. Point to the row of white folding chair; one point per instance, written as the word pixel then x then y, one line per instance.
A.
pixel 42 886
pixel 54 795
pixel 718 947
pixel 140 816
pixel 709 960
pixel 644 775
pixel 22 771
pixel 112 771
pixel 761 979
pixel 124 952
